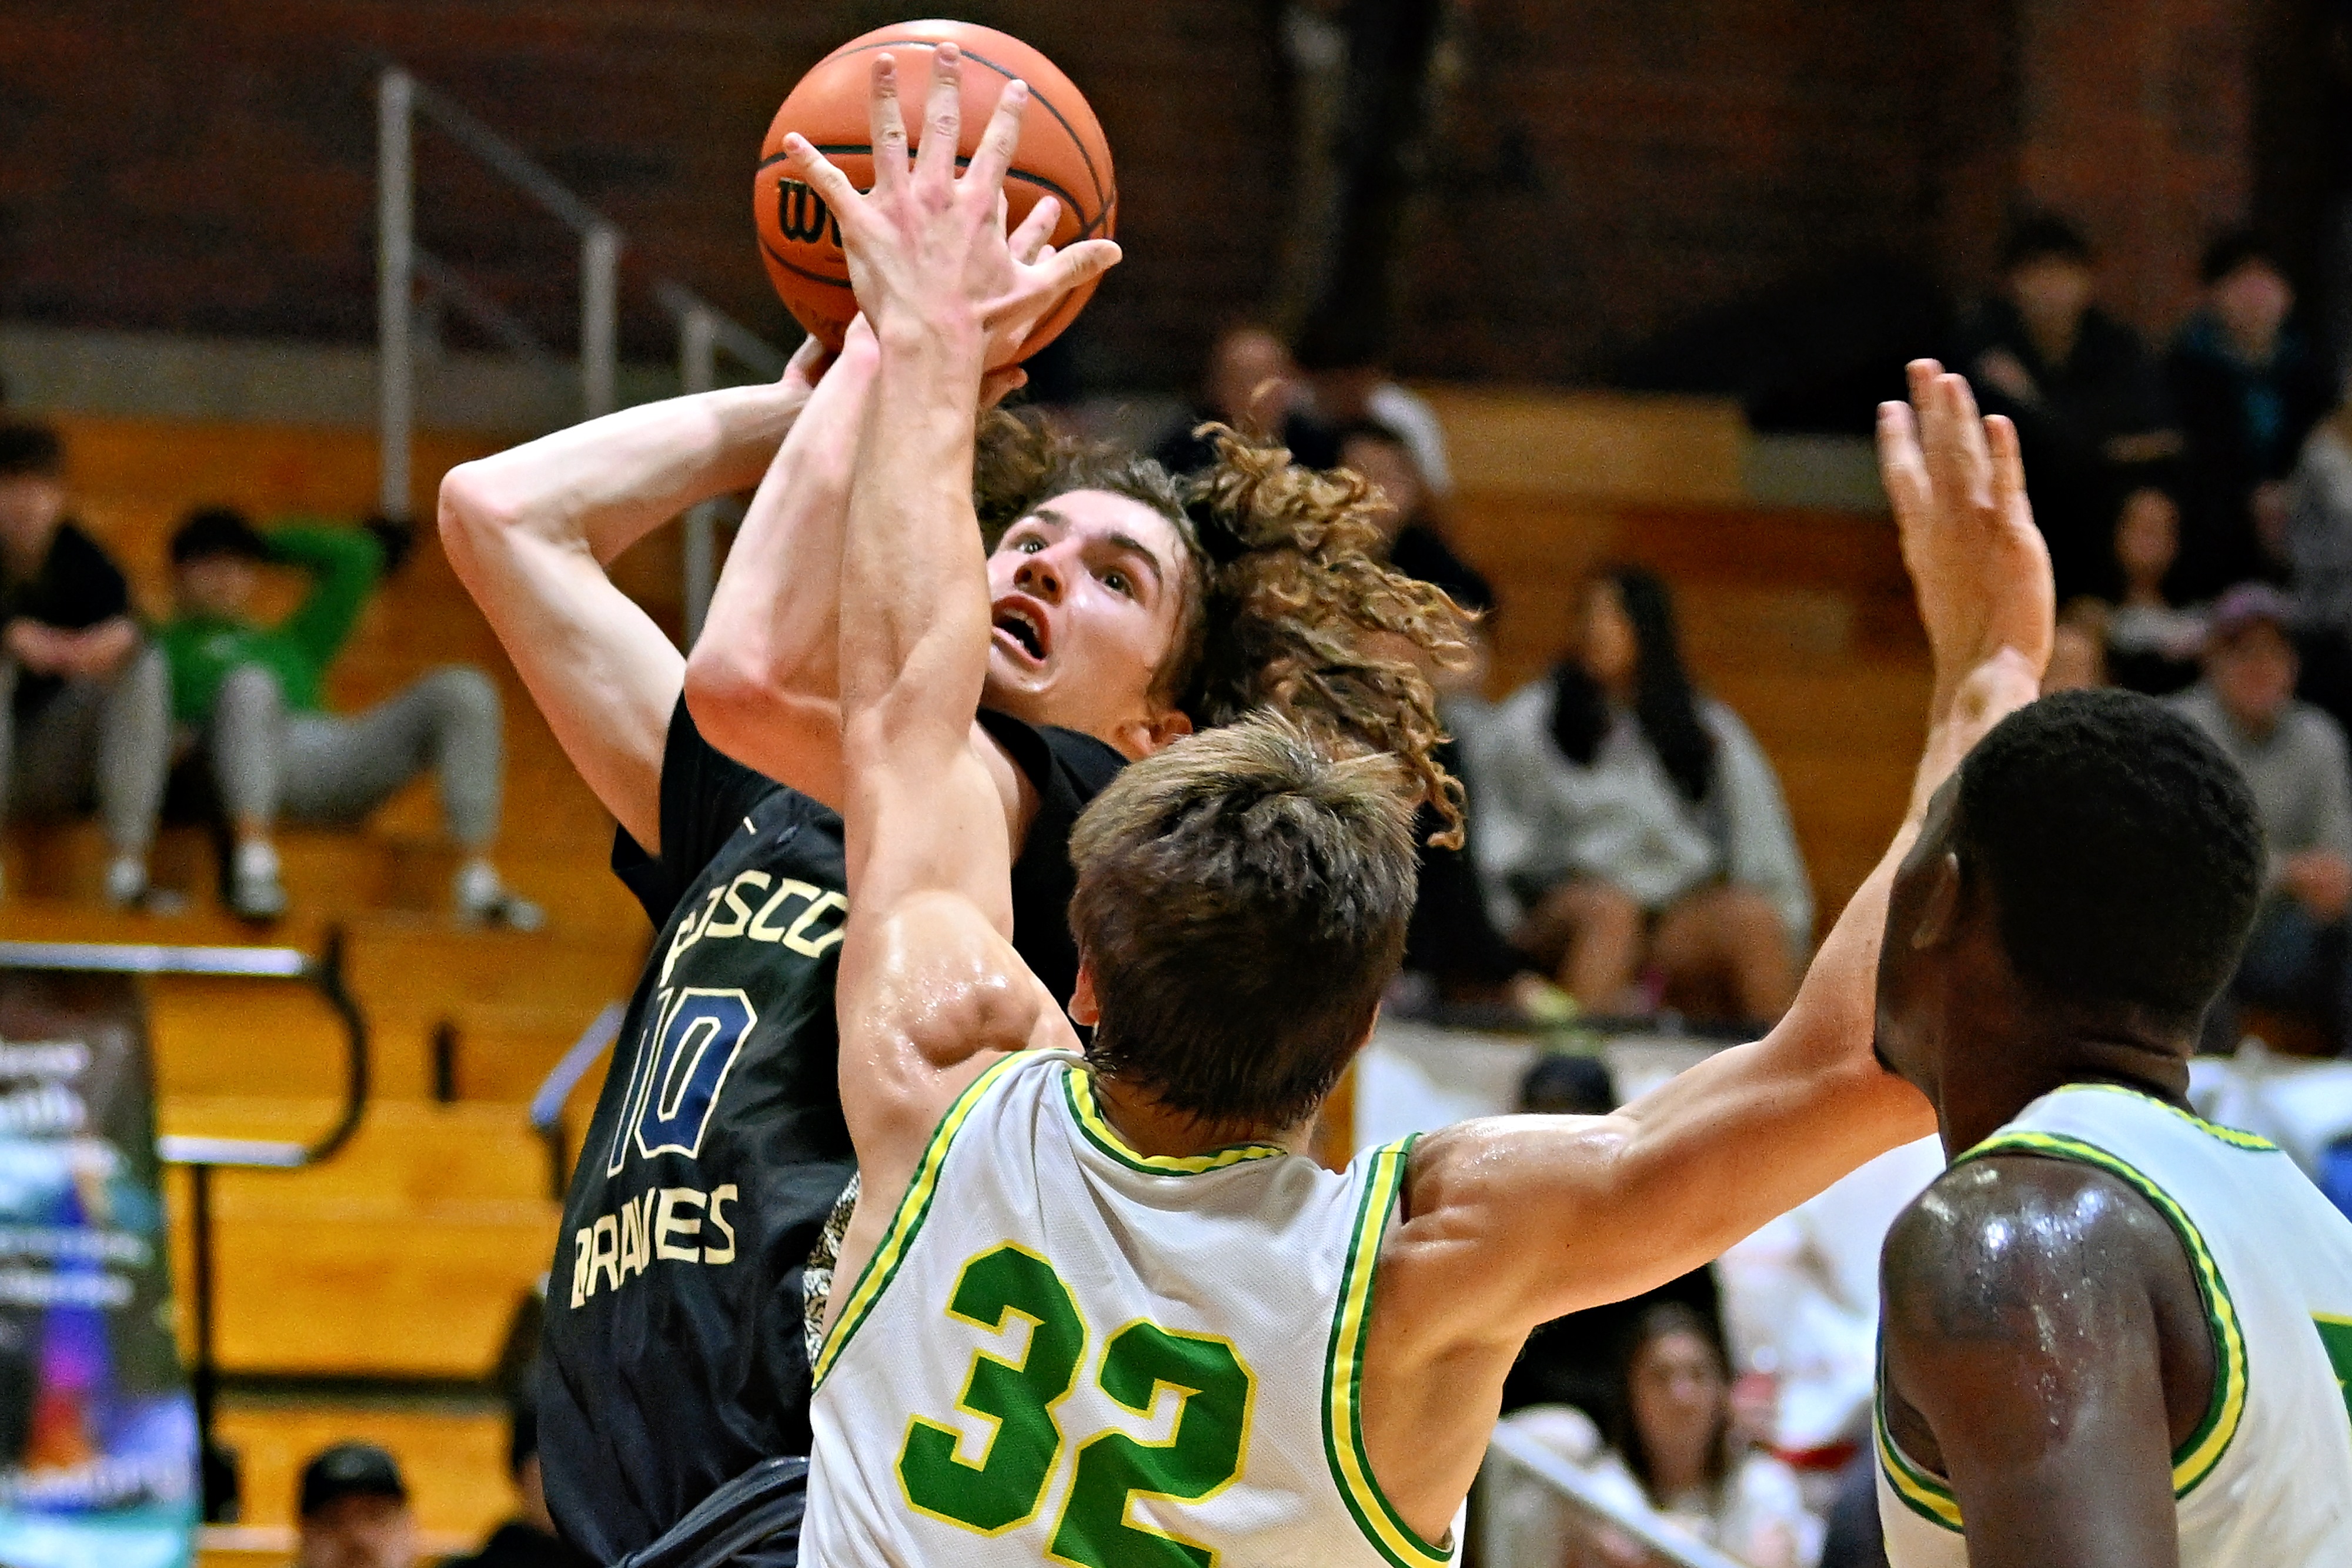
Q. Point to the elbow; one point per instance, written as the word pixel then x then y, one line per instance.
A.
pixel 469 512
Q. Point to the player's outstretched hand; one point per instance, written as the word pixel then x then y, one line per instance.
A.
pixel 928 251
pixel 1978 563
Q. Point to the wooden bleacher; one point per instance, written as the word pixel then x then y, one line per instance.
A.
pixel 404 1260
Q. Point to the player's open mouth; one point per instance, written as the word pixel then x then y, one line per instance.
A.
pixel 1022 629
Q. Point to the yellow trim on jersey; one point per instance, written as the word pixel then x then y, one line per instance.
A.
pixel 1079 1085
pixel 1921 1493
pixel 2251 1142
pixel 2194 1460
pixel 882 1266
pixel 1343 1371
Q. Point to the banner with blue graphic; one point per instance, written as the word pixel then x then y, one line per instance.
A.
pixel 98 1430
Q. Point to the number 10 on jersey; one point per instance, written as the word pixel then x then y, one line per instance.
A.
pixel 1201 1456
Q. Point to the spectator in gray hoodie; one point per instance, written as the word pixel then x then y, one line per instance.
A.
pixel 1634 832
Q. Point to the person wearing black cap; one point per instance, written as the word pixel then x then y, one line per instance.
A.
pixel 353 1510
pixel 529 1540
pixel 2298 958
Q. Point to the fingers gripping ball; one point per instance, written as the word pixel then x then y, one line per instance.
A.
pixel 1062 154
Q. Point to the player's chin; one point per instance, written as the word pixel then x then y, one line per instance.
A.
pixel 1017 686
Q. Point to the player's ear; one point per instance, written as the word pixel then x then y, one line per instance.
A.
pixel 1939 905
pixel 1084 1011
pixel 1139 737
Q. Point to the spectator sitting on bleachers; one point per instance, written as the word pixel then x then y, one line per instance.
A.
pixel 2152 644
pixel 252 694
pixel 2088 401
pixel 2246 391
pixel 1344 365
pixel 528 1541
pixel 1417 545
pixel 352 1511
pixel 1631 823
pixel 2078 647
pixel 2319 561
pixel 84 707
pixel 1250 384
pixel 2298 958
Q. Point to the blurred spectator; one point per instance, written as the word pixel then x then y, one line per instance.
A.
pixel 1631 824
pixel 353 1511
pixel 1352 386
pixel 2246 391
pixel 84 705
pixel 1250 384
pixel 1674 1455
pixel 255 693
pixel 2088 401
pixel 2319 561
pixel 2078 648
pixel 528 1541
pixel 2297 960
pixel 2152 644
pixel 1416 544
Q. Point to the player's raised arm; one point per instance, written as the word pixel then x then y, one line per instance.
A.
pixel 531 531
pixel 929 982
pixel 1573 1213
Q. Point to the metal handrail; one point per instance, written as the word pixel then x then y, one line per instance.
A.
pixel 546 1103
pixel 1570 1482
pixel 704 330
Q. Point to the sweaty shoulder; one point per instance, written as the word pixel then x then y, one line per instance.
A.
pixel 2018 1234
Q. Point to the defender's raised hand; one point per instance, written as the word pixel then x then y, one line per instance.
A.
pixel 928 251
pixel 1977 561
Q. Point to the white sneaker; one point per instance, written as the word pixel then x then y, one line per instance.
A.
pixel 127 888
pixel 254 891
pixel 482 898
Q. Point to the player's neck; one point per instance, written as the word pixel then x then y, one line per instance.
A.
pixel 2041 1051
pixel 1148 1127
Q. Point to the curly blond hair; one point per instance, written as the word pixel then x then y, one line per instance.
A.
pixel 1290 604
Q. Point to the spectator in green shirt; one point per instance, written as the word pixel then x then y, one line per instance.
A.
pixel 253 695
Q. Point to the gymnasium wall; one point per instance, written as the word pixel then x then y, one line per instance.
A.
pixel 1608 170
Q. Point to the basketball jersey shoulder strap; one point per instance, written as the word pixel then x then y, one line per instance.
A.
pixel 1383 1173
pixel 2196 1455
pixel 908 1220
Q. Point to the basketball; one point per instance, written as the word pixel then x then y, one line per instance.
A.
pixel 1062 154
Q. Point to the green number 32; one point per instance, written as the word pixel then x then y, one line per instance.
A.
pixel 1198 1458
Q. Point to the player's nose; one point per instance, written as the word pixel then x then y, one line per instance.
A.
pixel 1040 577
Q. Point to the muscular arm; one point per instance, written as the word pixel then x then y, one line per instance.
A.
pixel 530 532
pixel 2028 1306
pixel 763 680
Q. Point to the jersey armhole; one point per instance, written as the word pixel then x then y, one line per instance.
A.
pixel 2198 1455
pixel 905 1220
pixel 1343 1371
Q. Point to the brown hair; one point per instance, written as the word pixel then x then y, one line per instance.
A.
pixel 1290 602
pixel 1241 902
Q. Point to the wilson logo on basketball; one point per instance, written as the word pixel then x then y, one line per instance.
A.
pixel 802 216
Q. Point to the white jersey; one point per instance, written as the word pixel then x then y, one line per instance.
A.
pixel 1064 1349
pixel 2265 1480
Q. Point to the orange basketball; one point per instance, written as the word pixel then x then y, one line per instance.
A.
pixel 1062 153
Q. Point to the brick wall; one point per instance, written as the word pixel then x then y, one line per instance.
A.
pixel 1609 168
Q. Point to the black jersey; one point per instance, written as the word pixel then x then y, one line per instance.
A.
pixel 673 1354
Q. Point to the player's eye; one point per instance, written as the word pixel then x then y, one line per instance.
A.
pixel 1119 582
pixel 1028 544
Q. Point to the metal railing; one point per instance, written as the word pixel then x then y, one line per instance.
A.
pixel 704 331
pixel 547 1104
pixel 202 1156
pixel 1570 1483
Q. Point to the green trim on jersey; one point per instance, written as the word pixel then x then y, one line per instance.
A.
pixel 883 1267
pixel 2197 1456
pixel 2250 1141
pixel 1079 1086
pixel 1343 1371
